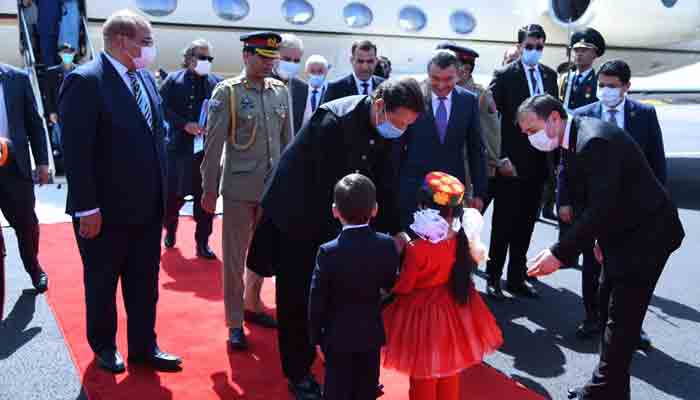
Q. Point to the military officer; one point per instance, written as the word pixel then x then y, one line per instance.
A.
pixel 249 116
pixel 587 45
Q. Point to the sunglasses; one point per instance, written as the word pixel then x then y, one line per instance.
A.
pixel 539 47
pixel 205 58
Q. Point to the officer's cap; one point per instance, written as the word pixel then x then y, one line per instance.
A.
pixel 465 54
pixel 265 44
pixel 590 39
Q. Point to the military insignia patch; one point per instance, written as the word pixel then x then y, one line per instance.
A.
pixel 281 110
pixel 247 103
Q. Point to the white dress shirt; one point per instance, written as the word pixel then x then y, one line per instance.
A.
pixel 538 77
pixel 346 227
pixel 619 116
pixel 358 83
pixel 581 76
pixel 567 132
pixel 319 97
pixel 447 101
pixel 4 124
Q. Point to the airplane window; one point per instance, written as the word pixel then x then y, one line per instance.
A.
pixel 297 12
pixel 412 19
pixel 357 15
pixel 232 10
pixel 669 3
pixel 462 22
pixel 157 8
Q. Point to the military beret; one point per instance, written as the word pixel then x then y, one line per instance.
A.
pixel 589 38
pixel 264 43
pixel 463 53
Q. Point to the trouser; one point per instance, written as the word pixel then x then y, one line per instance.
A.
pixel 514 214
pixel 130 253
pixel 2 275
pixel 590 279
pixel 624 303
pixel 240 218
pixel 293 283
pixel 17 205
pixel 351 376
pixel 203 219
pixel 434 389
pixel 491 195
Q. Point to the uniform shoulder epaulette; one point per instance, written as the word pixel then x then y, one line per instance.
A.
pixel 237 80
pixel 273 81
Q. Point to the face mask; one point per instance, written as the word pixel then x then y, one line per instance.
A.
pixel 532 57
pixel 610 97
pixel 317 80
pixel 387 130
pixel 148 56
pixel 286 69
pixel 542 142
pixel 202 68
pixel 67 58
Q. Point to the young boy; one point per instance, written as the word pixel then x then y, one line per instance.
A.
pixel 344 303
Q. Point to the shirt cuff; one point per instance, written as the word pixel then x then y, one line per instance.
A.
pixel 79 214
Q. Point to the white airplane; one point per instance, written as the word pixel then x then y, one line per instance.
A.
pixel 652 35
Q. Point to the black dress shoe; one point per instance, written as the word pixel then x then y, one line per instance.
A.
pixel 306 389
pixel 111 361
pixel 237 340
pixel 644 342
pixel 169 239
pixel 158 360
pixel 523 290
pixel 259 318
pixel 204 251
pixel 40 280
pixel 493 290
pixel 532 279
pixel 575 393
pixel 588 328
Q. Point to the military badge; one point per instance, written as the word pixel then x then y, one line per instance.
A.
pixel 281 110
pixel 247 103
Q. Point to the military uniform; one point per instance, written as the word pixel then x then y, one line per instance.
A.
pixel 249 120
pixel 585 84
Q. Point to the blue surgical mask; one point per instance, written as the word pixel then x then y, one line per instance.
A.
pixel 316 81
pixel 67 58
pixel 387 130
pixel 532 57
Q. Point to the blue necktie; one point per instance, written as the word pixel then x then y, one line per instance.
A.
pixel 441 119
pixel 141 98
pixel 365 87
pixel 314 100
pixel 533 80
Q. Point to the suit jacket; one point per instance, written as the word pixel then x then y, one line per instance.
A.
pixel 423 152
pixel 582 94
pixel 300 92
pixel 344 301
pixel 346 86
pixel 624 206
pixel 181 106
pixel 510 88
pixel 113 160
pixel 24 122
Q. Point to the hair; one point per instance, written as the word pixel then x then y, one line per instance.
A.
pixel 616 68
pixel 188 52
pixel 542 105
pixel 123 22
pixel 532 30
pixel 444 59
pixel 464 266
pixel 402 92
pixel 316 59
pixel 291 41
pixel 364 45
pixel 385 59
pixel 65 47
pixel 564 67
pixel 355 198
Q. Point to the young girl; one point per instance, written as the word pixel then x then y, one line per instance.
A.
pixel 438 325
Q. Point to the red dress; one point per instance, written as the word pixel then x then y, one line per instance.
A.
pixel 430 335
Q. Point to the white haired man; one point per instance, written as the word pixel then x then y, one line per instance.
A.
pixel 287 69
pixel 316 72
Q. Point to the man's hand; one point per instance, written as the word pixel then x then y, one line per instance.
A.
pixel 507 168
pixel 598 253
pixel 477 203
pixel 53 117
pixel 193 128
pixel 209 202
pixel 90 225
pixel 544 264
pixel 42 173
pixel 566 214
pixel 401 239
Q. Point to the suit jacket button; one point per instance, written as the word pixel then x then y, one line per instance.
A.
pixel 364 157
pixel 371 142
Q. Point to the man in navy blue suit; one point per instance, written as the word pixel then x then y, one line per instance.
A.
pixel 640 121
pixel 443 136
pixel 362 80
pixel 115 144
pixel 345 317
pixel 21 124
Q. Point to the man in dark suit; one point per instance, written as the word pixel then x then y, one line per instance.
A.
pixel 183 93
pixel 115 149
pixel 640 121
pixel 626 211
pixel 21 124
pixel 53 80
pixel 344 301
pixel 286 70
pixel 519 181
pixel 355 134
pixel 316 71
pixel 442 136
pixel 362 80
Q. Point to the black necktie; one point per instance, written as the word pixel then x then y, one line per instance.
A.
pixel 365 87
pixel 533 79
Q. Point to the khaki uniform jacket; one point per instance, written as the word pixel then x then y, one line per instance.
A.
pixel 262 131
pixel 490 124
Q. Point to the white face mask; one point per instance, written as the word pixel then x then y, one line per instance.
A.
pixel 610 97
pixel 542 142
pixel 287 70
pixel 148 56
pixel 202 68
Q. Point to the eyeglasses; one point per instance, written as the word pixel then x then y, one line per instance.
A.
pixel 539 47
pixel 205 58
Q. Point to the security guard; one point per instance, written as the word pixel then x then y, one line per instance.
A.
pixel 587 45
pixel 248 115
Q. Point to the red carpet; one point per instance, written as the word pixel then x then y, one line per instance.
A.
pixel 191 324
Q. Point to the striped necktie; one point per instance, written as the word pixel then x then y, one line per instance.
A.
pixel 141 98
